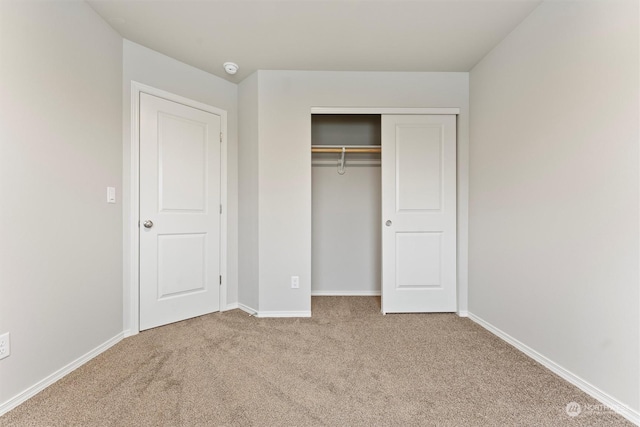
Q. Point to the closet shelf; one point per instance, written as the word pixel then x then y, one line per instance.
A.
pixel 345 148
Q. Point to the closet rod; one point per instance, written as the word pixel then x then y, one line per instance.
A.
pixel 316 149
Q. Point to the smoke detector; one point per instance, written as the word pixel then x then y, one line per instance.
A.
pixel 230 67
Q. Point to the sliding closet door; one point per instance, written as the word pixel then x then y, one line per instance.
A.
pixel 418 213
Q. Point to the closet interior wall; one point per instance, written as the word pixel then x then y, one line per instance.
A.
pixel 346 208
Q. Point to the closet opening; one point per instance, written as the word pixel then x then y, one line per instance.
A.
pixel 346 205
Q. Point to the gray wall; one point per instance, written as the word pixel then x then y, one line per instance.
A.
pixel 162 72
pixel 285 101
pixel 346 229
pixel 553 242
pixel 61 146
pixel 248 193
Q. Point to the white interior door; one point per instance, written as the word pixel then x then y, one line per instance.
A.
pixel 418 213
pixel 179 212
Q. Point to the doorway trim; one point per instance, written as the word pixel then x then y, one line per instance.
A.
pixel 132 221
pixel 462 190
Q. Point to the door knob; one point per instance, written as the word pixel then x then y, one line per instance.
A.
pixel 148 223
pixel 388 223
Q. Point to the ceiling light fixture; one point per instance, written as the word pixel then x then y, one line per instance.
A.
pixel 230 67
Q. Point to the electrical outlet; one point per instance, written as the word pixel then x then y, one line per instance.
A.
pixel 295 282
pixel 5 345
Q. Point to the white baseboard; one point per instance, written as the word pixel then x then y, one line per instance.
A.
pixel 617 406
pixel 247 309
pixel 345 293
pixel 267 314
pixel 463 313
pixel 46 382
pixel 264 314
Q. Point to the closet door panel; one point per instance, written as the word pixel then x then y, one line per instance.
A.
pixel 419 167
pixel 418 213
pixel 418 260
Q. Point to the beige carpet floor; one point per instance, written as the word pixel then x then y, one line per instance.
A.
pixel 346 366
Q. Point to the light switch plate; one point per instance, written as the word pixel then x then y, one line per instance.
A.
pixel 111 194
pixel 5 345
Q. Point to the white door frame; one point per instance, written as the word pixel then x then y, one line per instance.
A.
pixel 462 168
pixel 134 198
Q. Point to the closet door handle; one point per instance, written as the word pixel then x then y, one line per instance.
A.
pixel 388 223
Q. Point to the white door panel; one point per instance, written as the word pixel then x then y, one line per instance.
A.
pixel 419 211
pixel 180 195
pixel 419 174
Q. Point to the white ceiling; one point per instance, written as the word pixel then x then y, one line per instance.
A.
pixel 364 35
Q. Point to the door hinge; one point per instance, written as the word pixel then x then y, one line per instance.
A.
pixel 220 208
pixel 221 137
pixel 220 280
